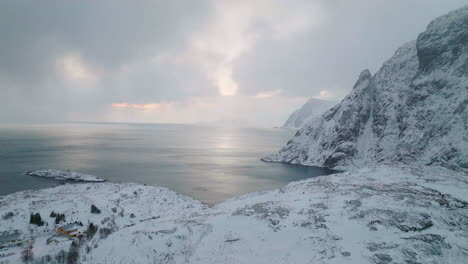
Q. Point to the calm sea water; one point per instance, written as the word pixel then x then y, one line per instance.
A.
pixel 211 164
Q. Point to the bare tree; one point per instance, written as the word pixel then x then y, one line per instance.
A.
pixel 73 253
pixel 27 255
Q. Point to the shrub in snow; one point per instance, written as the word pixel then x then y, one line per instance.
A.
pixel 105 232
pixel 91 230
pixel 61 257
pixel 27 255
pixel 8 215
pixel 95 210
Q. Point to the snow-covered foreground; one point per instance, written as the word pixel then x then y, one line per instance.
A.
pixel 373 215
pixel 65 175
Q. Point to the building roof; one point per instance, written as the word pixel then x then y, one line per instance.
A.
pixel 5 238
pixel 69 226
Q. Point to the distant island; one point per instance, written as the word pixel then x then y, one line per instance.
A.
pixel 64 175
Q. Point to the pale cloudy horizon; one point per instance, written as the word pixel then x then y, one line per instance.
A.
pixel 250 62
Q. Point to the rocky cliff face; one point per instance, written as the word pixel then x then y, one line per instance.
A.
pixel 312 109
pixel 413 110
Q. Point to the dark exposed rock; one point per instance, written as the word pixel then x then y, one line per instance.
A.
pixel 388 218
pixel 380 246
pixel 263 210
pixel 268 211
pixel 381 258
pixel 426 245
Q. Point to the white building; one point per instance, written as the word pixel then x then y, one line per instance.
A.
pixel 14 239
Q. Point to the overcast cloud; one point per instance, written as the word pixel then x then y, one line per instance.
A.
pixel 193 61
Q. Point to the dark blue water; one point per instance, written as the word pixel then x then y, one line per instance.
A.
pixel 208 163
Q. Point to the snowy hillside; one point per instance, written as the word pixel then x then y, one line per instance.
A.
pixel 374 215
pixel 119 207
pixel 312 109
pixel 413 110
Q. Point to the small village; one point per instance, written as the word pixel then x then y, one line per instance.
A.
pixel 18 242
pixel 16 239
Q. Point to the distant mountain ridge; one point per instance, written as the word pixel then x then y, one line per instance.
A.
pixel 312 109
pixel 412 111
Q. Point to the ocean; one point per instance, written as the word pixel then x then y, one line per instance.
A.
pixel 211 164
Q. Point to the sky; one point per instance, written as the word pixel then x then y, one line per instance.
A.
pixel 241 62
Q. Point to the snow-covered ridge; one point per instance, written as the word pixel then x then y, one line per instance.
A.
pixel 375 215
pixel 312 109
pixel 65 175
pixel 412 111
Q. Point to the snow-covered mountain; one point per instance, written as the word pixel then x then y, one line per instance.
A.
pixel 413 110
pixel 312 109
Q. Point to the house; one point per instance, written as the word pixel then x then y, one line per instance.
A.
pixel 69 231
pixel 6 254
pixel 14 239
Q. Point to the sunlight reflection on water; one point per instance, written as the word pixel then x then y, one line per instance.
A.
pixel 210 164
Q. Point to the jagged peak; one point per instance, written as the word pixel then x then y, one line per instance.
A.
pixel 444 38
pixel 453 16
pixel 364 76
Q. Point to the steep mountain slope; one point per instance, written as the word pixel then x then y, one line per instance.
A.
pixel 413 110
pixel 313 108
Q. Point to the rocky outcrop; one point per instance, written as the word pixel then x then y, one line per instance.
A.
pixel 412 111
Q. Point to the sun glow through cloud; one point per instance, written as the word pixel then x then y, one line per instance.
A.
pixel 72 67
pixel 226 85
pixel 268 94
pixel 136 106
pixel 234 31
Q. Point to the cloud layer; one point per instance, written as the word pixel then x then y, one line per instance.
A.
pixel 192 61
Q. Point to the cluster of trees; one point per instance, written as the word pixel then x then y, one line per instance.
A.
pixel 62 257
pixel 27 255
pixel 73 253
pixel 58 217
pixel 36 219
